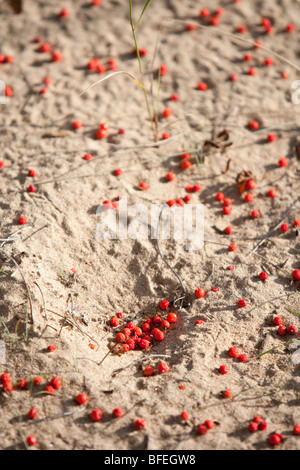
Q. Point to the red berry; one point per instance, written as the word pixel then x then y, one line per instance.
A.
pixel 56 382
pixel 296 430
pixel 271 137
pixel 37 380
pixel 253 125
pixel 162 368
pixel 32 173
pixel 144 343
pixel 227 393
pixel 281 330
pixel 170 176
pixel 241 29
pixel 31 441
pixel 223 369
pixel 247 57
pixel 209 423
pixel 243 357
pixel 228 230
pixel 291 330
pixel 233 77
pixel 33 413
pixel 232 246
pixel 45 47
pixel 49 390
pixel 114 322
pixel 88 157
pixel 56 56
pixel 22 221
pixel 196 188
pixel 96 414
pixel 282 162
pixel 290 28
pixel 277 321
pixel 31 189
pixel 263 276
pixel 159 335
pixel 139 424
pixel 163 70
pixel 64 13
pixel 82 398
pixel 253 427
pixel 204 12
pixel 254 214
pixel 167 112
pixel 262 426
pixel 242 303
pixel 271 193
pixel 101 134
pixel 76 124
pixel 185 415
pixel 117 413
pixel 117 172
pixel 165 324
pixel 275 439
pixel 202 86
pixel 22 384
pixel 250 184
pixel 284 228
pixel 220 197
pixel 227 210
pixel 268 61
pixel 202 429
pixel 51 348
pixel 148 371
pixel 174 97
pixel 144 186
pixel 249 197
pixel 172 317
pixel 214 21
pixel 296 223
pixel 252 71
pixel 296 275
pixel 284 75
pixel 199 293
pixel 233 352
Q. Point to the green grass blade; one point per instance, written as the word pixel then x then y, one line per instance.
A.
pixel 142 14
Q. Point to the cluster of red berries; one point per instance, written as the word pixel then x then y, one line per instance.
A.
pixel 55 56
pixel 206 426
pixel 6 383
pixel 226 201
pixel 162 368
pixel 234 353
pixel 94 65
pixel 257 424
pixel 132 336
pixel 283 330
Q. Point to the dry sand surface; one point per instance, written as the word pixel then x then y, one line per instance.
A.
pixel 127 275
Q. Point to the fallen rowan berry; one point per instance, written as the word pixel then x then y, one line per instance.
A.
pixel 228 230
pixel 233 77
pixel 64 13
pixel 117 172
pixel 253 427
pixel 114 322
pixel 32 173
pixel 139 424
pixel 167 112
pixel 209 423
pixel 148 371
pixel 252 71
pixel 187 198
pixel 249 197
pixel 87 157
pixel 220 197
pixel 196 188
pixel 45 47
pixel 159 335
pixel 96 414
pixel 263 276
pixel 56 56
pixel 170 176
pixel 22 220
pixel 22 384
pixel 242 303
pixel 7 387
pixel 227 210
pixel 233 352
pixel 296 274
pixel 190 27
pixel 185 415
pixel 204 12
pixel 117 413
pixel 275 439
pixel 296 430
pixel 202 429
pixel 120 338
pixel 254 214
pixel 51 348
pixel 271 193
pixel 253 125
pixel 277 321
pixel 56 382
pixel 164 304
pixel 31 189
pixel 214 21
pixel 281 330
pixel 162 368
pixel 214 289
pixel 247 57
pixel 199 293
pixel 49 390
pixel 198 322
pixel 227 201
pixel 284 228
pixel 231 268
pixel 227 393
pixel 1 164
pixel 82 398
pixel 31 441
pixel 291 330
pixel 144 186
pixel 37 380
pixel 290 28
pixel 296 223
pixel 174 97
pixel 257 419
pixel 232 246
pixel 185 164
pixel 172 317
pixel 163 70
pixel 101 134
pixel 284 75
pixel 144 344
pixel 262 426
pixel 165 324
pixel 202 86
pixel 268 61
pixel 243 357
pixel 33 413
pixel 282 162
pixel 241 29
pixel 8 91
pixel 271 137
pixel 223 369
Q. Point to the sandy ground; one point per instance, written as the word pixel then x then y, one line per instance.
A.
pixel 128 275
